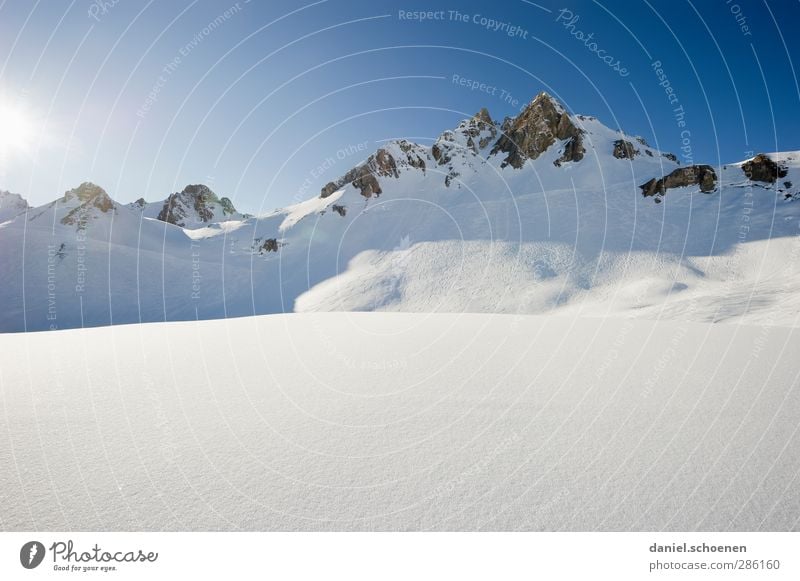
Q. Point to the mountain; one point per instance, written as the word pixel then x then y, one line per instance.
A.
pixel 548 211
pixel 195 206
pixel 11 205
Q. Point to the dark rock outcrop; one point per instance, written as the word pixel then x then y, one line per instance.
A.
pixel 177 207
pixel 341 210
pixel 90 196
pixel 479 132
pixel 479 123
pixel 439 154
pixel 365 176
pixel 195 204
pixel 227 206
pixel 762 169
pixel 700 175
pixel 268 245
pixel 533 131
pixel 624 149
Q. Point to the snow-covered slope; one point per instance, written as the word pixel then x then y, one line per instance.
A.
pixel 386 421
pixel 548 211
pixel 11 205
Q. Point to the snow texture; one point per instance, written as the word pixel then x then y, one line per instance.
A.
pixel 385 421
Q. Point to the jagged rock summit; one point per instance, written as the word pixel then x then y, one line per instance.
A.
pixel 543 125
pixel 85 203
pixel 536 129
pixel 196 205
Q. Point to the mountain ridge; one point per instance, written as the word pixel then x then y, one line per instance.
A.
pixel 591 221
pixel 540 124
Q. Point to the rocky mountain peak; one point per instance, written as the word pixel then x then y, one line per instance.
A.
pixel 198 191
pixel 195 204
pixel 543 121
pixel 85 192
pixel 483 116
pixel 89 199
pixel 190 204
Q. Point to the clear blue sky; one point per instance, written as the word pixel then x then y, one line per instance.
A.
pixel 253 104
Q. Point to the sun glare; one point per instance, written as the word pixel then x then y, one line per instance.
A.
pixel 16 127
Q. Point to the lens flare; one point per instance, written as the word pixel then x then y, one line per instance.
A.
pixel 17 130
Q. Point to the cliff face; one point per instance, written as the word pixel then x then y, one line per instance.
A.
pixel 700 175
pixel 762 169
pixel 365 176
pixel 196 204
pixel 543 123
pixel 87 200
pixel 534 130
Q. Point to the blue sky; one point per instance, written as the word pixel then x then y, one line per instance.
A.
pixel 267 101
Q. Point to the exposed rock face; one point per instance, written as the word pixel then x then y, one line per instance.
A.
pixel 86 192
pixel 701 175
pixel 341 210
pixel 269 245
pixel 329 188
pixel 89 197
pixel 470 139
pixel 415 155
pixel 534 130
pixel 439 154
pixel 227 206
pixel 474 134
pixel 671 157
pixel 624 149
pixel 480 130
pixel 762 169
pixel 365 176
pixel 195 204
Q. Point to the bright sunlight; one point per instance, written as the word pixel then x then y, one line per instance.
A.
pixel 17 129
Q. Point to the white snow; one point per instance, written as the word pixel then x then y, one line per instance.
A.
pixel 297 212
pixel 633 368
pixel 575 239
pixel 380 421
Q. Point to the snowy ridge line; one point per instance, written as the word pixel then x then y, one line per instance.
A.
pixel 545 212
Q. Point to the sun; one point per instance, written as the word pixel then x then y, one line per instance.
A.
pixel 17 130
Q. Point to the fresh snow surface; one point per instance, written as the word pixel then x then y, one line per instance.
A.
pixel 299 211
pixel 386 421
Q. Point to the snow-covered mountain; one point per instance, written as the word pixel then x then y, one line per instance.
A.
pixel 196 206
pixel 547 211
pixel 11 205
